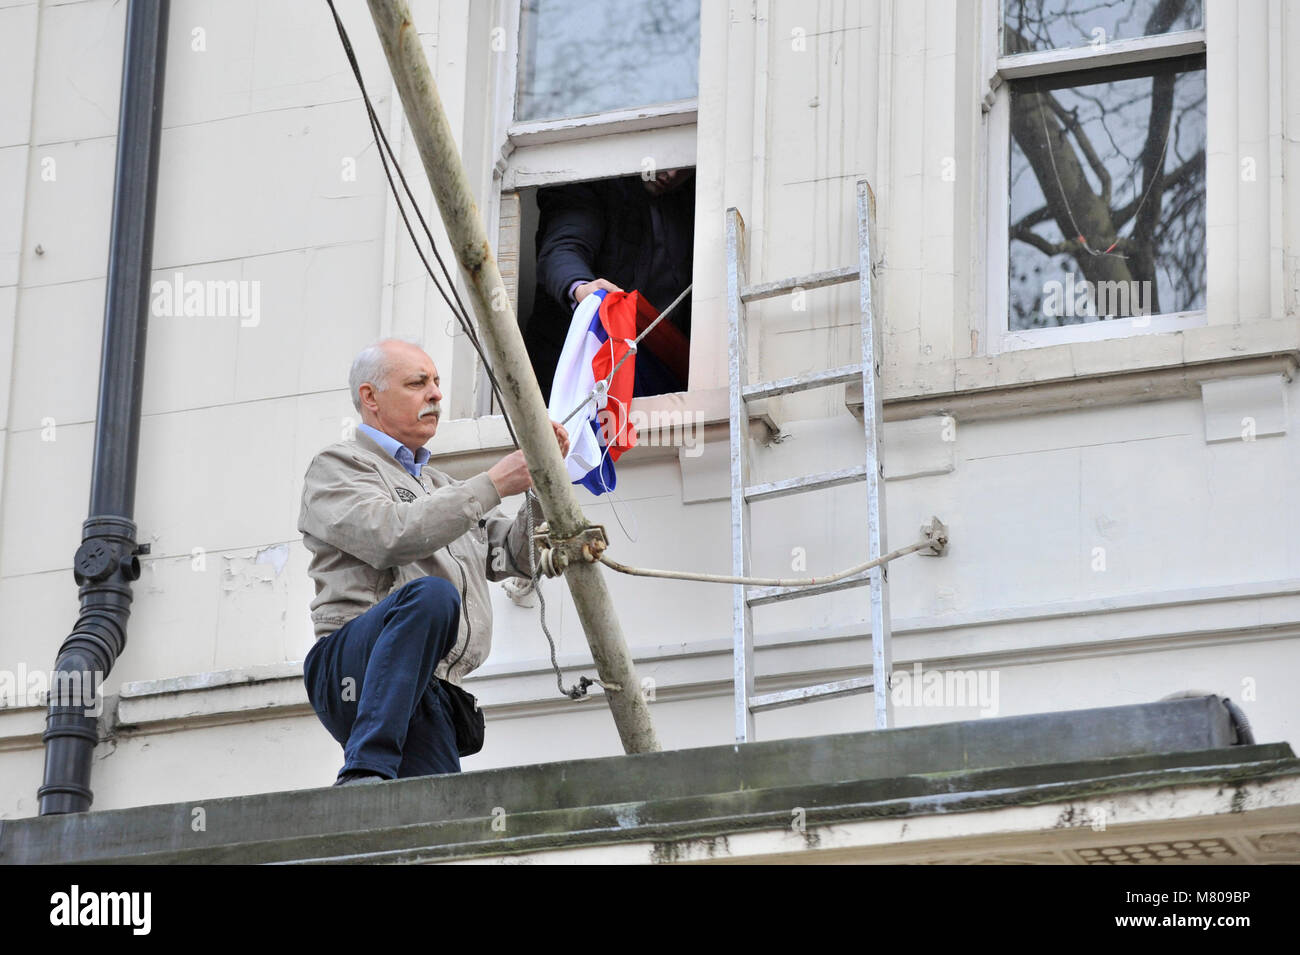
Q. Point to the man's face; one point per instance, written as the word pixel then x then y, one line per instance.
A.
pixel 667 180
pixel 410 407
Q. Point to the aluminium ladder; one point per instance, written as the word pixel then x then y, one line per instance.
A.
pixel 744 599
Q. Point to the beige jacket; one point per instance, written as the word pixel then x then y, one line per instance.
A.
pixel 371 527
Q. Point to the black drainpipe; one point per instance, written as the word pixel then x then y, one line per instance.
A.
pixel 106 562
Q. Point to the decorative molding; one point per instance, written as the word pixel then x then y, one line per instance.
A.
pixel 1127 386
pixel 1244 408
pixel 699 670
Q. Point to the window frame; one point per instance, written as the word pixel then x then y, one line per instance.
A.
pixel 551 145
pixel 999 71
pixel 603 145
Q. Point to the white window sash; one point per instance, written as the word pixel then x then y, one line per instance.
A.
pixel 659 116
pixel 1100 330
pixel 998 336
pixel 574 148
pixel 600 157
pixel 1115 53
pixel 537 132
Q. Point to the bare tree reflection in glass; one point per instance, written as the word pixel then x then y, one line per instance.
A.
pixel 1107 171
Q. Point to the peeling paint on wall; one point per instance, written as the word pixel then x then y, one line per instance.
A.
pixel 277 555
pixel 243 572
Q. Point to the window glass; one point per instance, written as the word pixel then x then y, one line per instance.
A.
pixel 1029 25
pixel 1107 194
pixel 578 57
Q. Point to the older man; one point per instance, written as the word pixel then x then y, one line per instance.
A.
pixel 401 557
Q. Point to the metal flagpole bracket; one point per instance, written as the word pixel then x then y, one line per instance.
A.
pixel 555 555
pixel 936 532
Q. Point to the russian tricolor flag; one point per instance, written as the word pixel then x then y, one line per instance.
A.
pixel 602 330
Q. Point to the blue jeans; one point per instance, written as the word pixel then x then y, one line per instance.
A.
pixel 371 683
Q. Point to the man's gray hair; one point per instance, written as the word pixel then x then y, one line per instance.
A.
pixel 373 364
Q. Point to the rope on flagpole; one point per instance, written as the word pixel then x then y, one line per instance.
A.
pixel 590 544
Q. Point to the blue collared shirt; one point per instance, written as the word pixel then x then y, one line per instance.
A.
pixel 413 463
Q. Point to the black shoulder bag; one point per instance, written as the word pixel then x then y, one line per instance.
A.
pixel 466 717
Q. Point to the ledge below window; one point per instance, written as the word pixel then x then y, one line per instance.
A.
pixel 465 446
pixel 1063 377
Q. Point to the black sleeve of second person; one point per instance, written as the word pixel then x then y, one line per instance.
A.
pixel 571 231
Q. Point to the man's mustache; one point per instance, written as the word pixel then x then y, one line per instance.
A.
pixel 435 409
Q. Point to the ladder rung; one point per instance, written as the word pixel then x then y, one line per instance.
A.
pixel 808 694
pixel 801 485
pixel 757 596
pixel 753 293
pixel 786 386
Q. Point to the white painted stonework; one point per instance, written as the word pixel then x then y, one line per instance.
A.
pixel 1114 536
pixel 1168 824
